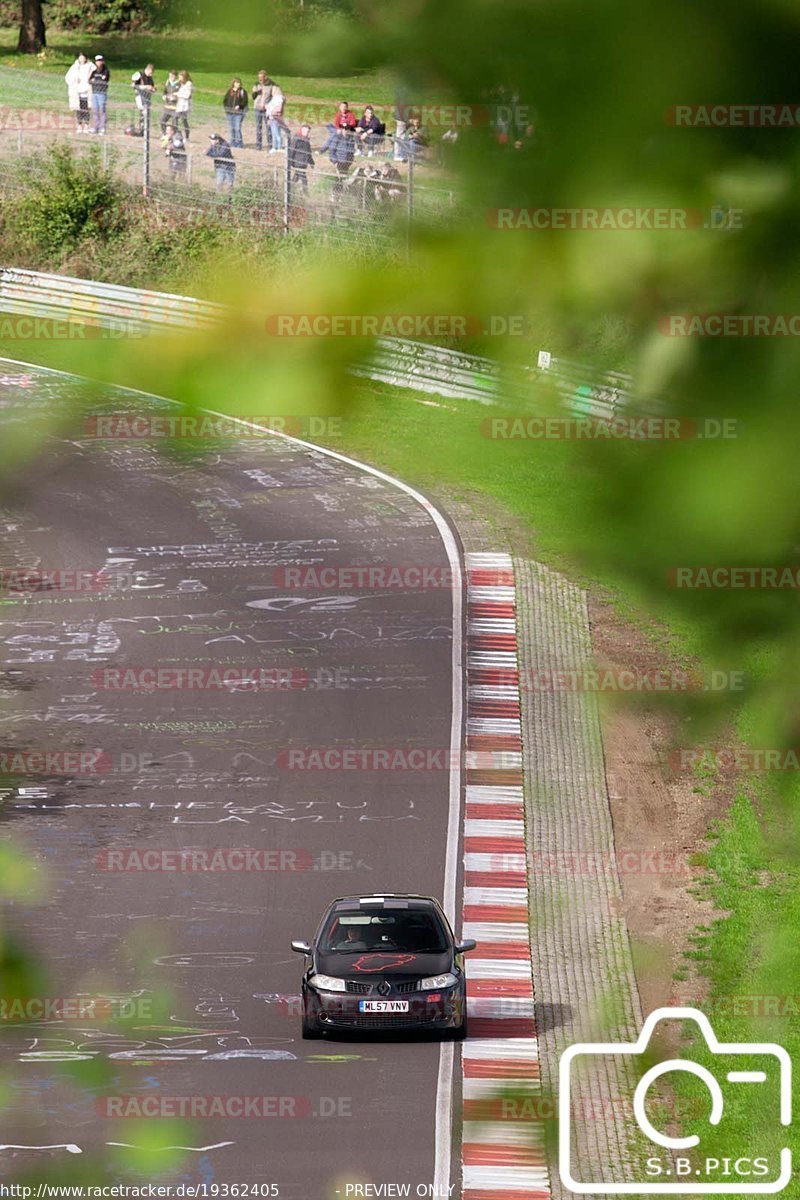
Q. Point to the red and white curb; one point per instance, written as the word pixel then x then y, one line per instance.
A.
pixel 503 1156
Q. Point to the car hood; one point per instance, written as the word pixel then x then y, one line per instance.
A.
pixel 383 964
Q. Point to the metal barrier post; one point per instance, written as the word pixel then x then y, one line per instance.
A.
pixel 287 188
pixel 409 199
pixel 146 148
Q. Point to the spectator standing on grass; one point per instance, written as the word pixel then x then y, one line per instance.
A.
pixel 412 144
pixel 144 85
pixel 278 129
pixel 369 131
pixel 175 150
pixel 235 104
pixel 79 91
pixel 98 81
pixel 262 94
pixel 342 153
pixel 183 103
pixel 343 119
pixel 224 162
pixel 170 99
pixel 300 157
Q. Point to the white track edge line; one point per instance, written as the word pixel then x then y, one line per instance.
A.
pixel 444 1087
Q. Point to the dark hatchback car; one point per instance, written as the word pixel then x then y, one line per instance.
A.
pixel 387 962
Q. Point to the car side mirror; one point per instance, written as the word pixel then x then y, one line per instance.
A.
pixel 467 944
pixel 301 947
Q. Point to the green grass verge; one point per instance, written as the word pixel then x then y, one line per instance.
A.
pixel 750 958
pixel 211 58
pixel 441 446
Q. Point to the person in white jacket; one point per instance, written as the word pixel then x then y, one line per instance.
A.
pixel 183 103
pixel 277 126
pixel 79 91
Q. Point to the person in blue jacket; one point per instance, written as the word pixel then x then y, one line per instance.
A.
pixel 342 152
pixel 224 162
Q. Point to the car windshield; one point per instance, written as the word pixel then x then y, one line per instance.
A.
pixel 410 931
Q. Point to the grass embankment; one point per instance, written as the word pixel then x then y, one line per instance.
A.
pixel 749 958
pixel 212 58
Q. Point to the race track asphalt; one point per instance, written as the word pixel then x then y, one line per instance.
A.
pixel 193 545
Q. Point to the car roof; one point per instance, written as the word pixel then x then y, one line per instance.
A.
pixel 384 899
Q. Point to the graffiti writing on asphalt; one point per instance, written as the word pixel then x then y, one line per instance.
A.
pixel 319 811
pixel 66 1045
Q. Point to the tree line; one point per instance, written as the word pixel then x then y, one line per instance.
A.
pixel 103 16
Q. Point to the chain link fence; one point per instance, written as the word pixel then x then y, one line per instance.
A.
pixel 377 196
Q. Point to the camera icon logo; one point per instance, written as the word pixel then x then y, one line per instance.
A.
pixel 667 1171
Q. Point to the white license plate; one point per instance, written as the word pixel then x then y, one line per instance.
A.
pixel 382 1006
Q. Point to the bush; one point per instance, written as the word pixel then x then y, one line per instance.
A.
pixel 100 17
pixel 63 201
pixel 132 16
pixel 90 16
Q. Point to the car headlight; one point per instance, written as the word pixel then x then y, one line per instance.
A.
pixel 437 981
pixel 327 983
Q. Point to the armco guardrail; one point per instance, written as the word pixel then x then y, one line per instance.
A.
pixel 450 373
pixel 415 365
pixel 61 296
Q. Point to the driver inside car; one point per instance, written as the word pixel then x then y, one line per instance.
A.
pixel 353 939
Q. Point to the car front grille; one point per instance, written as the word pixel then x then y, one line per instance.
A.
pixel 355 987
pixel 383 1020
pixel 402 988
pixel 360 989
